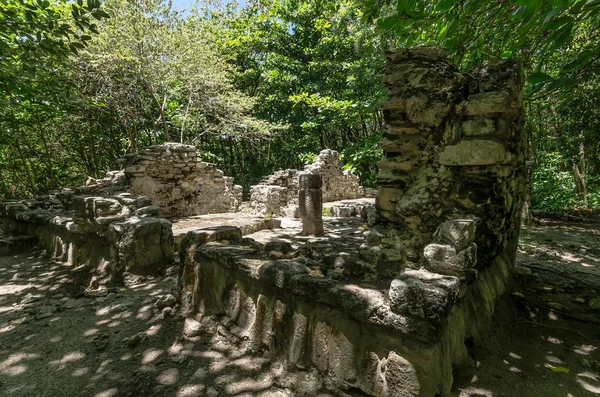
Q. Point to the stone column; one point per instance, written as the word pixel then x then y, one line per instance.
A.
pixel 310 203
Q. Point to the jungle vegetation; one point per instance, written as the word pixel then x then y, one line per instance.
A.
pixel 267 85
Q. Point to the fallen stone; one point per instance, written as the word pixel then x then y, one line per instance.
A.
pixel 165 301
pixel 136 339
pixel 192 328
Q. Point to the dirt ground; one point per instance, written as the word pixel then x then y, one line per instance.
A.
pixel 55 341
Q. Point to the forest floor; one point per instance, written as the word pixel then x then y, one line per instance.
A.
pixel 54 341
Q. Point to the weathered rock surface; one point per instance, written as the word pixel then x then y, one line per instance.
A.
pixel 277 194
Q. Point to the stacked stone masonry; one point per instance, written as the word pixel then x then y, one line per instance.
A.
pixel 454 149
pixel 438 255
pixel 103 236
pixel 175 180
pixel 277 194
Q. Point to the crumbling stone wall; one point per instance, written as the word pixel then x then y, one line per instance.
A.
pixel 175 180
pixel 277 194
pixel 103 236
pixel 453 149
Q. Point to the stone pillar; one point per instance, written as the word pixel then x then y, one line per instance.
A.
pixel 310 203
pixel 453 149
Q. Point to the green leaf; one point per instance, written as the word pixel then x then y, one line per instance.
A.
pixel 388 23
pixel 445 5
pixel 539 77
pixel 556 11
pixel 557 369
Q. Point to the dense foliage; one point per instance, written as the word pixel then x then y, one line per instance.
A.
pixel 268 85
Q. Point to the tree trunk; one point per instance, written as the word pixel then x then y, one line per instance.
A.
pixel 579 176
pixel 25 165
pixel 161 112
pixel 48 156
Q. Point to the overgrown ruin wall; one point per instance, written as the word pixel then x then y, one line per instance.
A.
pixel 175 179
pixel 454 148
pixel 277 194
pixel 434 263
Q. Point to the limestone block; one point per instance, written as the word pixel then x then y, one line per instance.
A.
pixel 445 259
pixel 473 152
pixel 479 126
pixel 420 110
pixel 401 378
pixel 488 103
pixel 135 169
pixel 423 294
pixel 432 53
pixel 459 232
pixel 141 245
pixel 402 130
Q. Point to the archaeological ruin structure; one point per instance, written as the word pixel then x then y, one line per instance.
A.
pixel 390 308
pixel 277 194
pixel 385 304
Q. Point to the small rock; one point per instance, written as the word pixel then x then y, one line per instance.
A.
pixel 166 312
pixel 180 359
pixel 29 298
pixel 136 339
pixel 210 392
pixel 165 301
pixel 44 312
pixel 192 328
pixel 96 293
pixel 111 295
pixel 199 375
pixel 101 299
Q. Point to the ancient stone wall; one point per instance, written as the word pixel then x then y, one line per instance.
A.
pixel 174 179
pixel 180 184
pixel 102 236
pixel 454 148
pixel 277 194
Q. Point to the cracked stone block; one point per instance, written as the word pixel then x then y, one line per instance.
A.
pixel 423 294
pixel 445 259
pixel 141 245
pixel 460 232
pixel 401 377
pixel 473 152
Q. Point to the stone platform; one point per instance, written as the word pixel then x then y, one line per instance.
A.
pixel 212 223
pixel 296 297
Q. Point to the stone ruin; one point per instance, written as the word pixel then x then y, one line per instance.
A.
pixel 277 194
pixel 386 309
pixel 115 224
pixel 389 310
pixel 175 180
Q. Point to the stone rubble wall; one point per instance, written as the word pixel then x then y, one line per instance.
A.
pixel 175 180
pixel 180 184
pixel 454 148
pixel 277 194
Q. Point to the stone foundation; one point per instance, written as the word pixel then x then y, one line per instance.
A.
pixel 277 194
pixel 103 237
